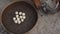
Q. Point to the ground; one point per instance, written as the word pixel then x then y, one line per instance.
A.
pixel 46 24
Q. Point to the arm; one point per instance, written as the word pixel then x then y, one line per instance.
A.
pixel 37 3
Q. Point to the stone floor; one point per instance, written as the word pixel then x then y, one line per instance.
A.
pixel 46 24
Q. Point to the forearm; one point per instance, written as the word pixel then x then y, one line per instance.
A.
pixel 37 3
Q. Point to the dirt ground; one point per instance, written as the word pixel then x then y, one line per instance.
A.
pixel 46 24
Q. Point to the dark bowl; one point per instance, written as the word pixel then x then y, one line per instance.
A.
pixel 9 13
